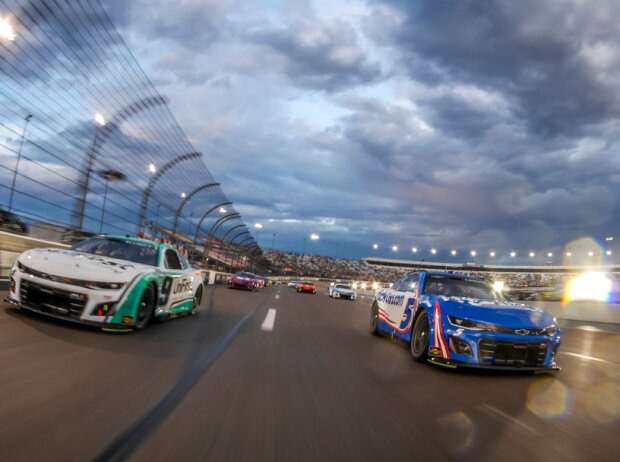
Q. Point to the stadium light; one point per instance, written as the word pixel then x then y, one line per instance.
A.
pixel 532 254
pixel 492 254
pixel 590 254
pixel 183 195
pixel 473 253
pixel 608 252
pixel 569 254
pixel 152 168
pixel 433 251
pixel 609 238
pixel 513 254
pixel 375 246
pixel 223 210
pixel 453 252
pixel 258 225
pixel 414 249
pixel 6 30
pixel 314 237
pixel 395 248
pixel 550 254
pixel 100 119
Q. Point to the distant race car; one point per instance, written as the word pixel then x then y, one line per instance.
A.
pixel 454 320
pixel 243 280
pixel 114 282
pixel 291 284
pixel 307 287
pixel 342 291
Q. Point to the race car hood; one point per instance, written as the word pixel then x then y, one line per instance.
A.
pixel 501 313
pixel 83 266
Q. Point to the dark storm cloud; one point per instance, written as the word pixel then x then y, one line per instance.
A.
pixel 323 55
pixel 506 188
pixel 556 60
pixel 192 24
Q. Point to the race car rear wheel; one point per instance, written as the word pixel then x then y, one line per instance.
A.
pixel 374 319
pixel 196 301
pixel 145 308
pixel 420 336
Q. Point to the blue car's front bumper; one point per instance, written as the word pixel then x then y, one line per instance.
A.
pixel 491 350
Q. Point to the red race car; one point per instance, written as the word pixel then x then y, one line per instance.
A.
pixel 307 287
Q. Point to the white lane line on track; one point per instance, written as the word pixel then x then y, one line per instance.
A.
pixel 526 428
pixel 589 358
pixel 270 319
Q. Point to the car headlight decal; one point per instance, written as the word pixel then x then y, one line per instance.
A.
pixel 472 325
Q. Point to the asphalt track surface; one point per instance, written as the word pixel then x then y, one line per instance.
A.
pixel 227 385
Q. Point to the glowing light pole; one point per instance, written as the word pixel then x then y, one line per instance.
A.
pixel 258 227
pixel 19 156
pixel 314 237
pixel 79 212
pixel 108 175
pixel 157 174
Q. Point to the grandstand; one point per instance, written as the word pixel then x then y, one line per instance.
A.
pixel 384 270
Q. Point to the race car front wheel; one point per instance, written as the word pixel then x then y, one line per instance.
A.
pixel 374 319
pixel 419 337
pixel 196 301
pixel 145 308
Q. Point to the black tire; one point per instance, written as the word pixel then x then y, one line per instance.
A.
pixel 374 319
pixel 196 301
pixel 420 337
pixel 145 308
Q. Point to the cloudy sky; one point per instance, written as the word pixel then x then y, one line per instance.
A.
pixel 450 124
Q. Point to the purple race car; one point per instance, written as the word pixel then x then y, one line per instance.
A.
pixel 243 280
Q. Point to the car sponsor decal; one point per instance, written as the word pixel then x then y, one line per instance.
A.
pixel 439 342
pixel 389 298
pixel 404 325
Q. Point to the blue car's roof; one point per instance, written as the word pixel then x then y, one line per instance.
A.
pixel 448 274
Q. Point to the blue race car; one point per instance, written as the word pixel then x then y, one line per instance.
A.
pixel 455 320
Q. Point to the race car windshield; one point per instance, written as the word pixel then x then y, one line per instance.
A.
pixel 245 275
pixel 457 287
pixel 342 286
pixel 136 252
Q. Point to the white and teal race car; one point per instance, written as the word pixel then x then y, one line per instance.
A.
pixel 115 282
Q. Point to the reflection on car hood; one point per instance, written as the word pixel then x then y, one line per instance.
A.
pixel 83 266
pixel 498 312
